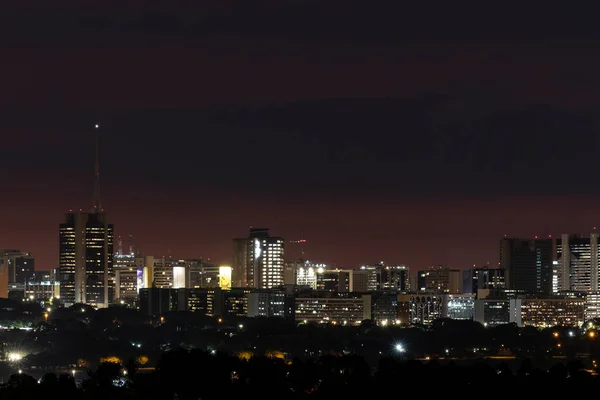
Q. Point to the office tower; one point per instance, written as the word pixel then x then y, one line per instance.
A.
pixel 86 252
pixel 528 264
pixel 483 278
pixel 162 276
pixel 303 273
pixel 577 263
pixel 338 280
pixel 19 265
pixel 258 260
pixel 128 272
pixel 45 275
pixel 364 280
pixel 85 259
pixel 440 279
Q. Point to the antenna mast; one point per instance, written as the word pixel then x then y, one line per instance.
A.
pixel 97 204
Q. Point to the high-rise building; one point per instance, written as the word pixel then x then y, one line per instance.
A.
pixel 258 260
pixel 128 272
pixel 85 259
pixel 20 266
pixel 483 278
pixel 336 280
pixel 86 252
pixel 528 264
pixel 440 279
pixel 577 263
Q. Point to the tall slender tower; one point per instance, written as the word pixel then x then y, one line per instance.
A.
pixel 86 251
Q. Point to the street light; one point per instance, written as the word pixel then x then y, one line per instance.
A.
pixel 400 348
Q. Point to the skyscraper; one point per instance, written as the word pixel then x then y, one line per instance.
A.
pixel 86 252
pixel 577 263
pixel 258 260
pixel 85 261
pixel 528 264
pixel 19 265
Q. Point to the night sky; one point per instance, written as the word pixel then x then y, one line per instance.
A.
pixel 375 130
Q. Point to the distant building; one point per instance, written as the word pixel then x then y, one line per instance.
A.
pixel 458 306
pixel 34 291
pixel 546 313
pixel 577 263
pixel 85 259
pixel 592 306
pixel 266 303
pixel 528 264
pixel 332 308
pixel 336 280
pixel 395 277
pixel 259 260
pixel 44 275
pixel 20 266
pixel 365 280
pixel 158 301
pixel 128 271
pixel 303 272
pixel 384 307
pixel 419 309
pixel 233 303
pixel 483 278
pixel 493 312
pixel 440 279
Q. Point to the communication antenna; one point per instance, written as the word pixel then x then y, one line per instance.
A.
pixel 97 203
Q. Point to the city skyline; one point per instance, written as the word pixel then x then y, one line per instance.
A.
pixel 373 141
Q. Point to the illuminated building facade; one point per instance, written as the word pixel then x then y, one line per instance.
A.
pixel 85 259
pixel 266 303
pixel 162 273
pixel 334 280
pixel 364 280
pixel 384 307
pixel 127 268
pixel 19 266
pixel 423 309
pixel 199 300
pixel 439 279
pixel 394 277
pixel 335 309
pixel 259 260
pixel 592 306
pixel 528 264
pixel 545 313
pixel 202 274
pixel 157 302
pixel 458 306
pixel 34 291
pixel 305 272
pixel 233 303
pixel 577 263
pixel 483 278
pixel 493 312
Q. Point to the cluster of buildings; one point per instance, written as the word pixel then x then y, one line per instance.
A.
pixel 538 282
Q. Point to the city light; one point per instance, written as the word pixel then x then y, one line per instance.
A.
pixel 15 357
pixel 400 348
